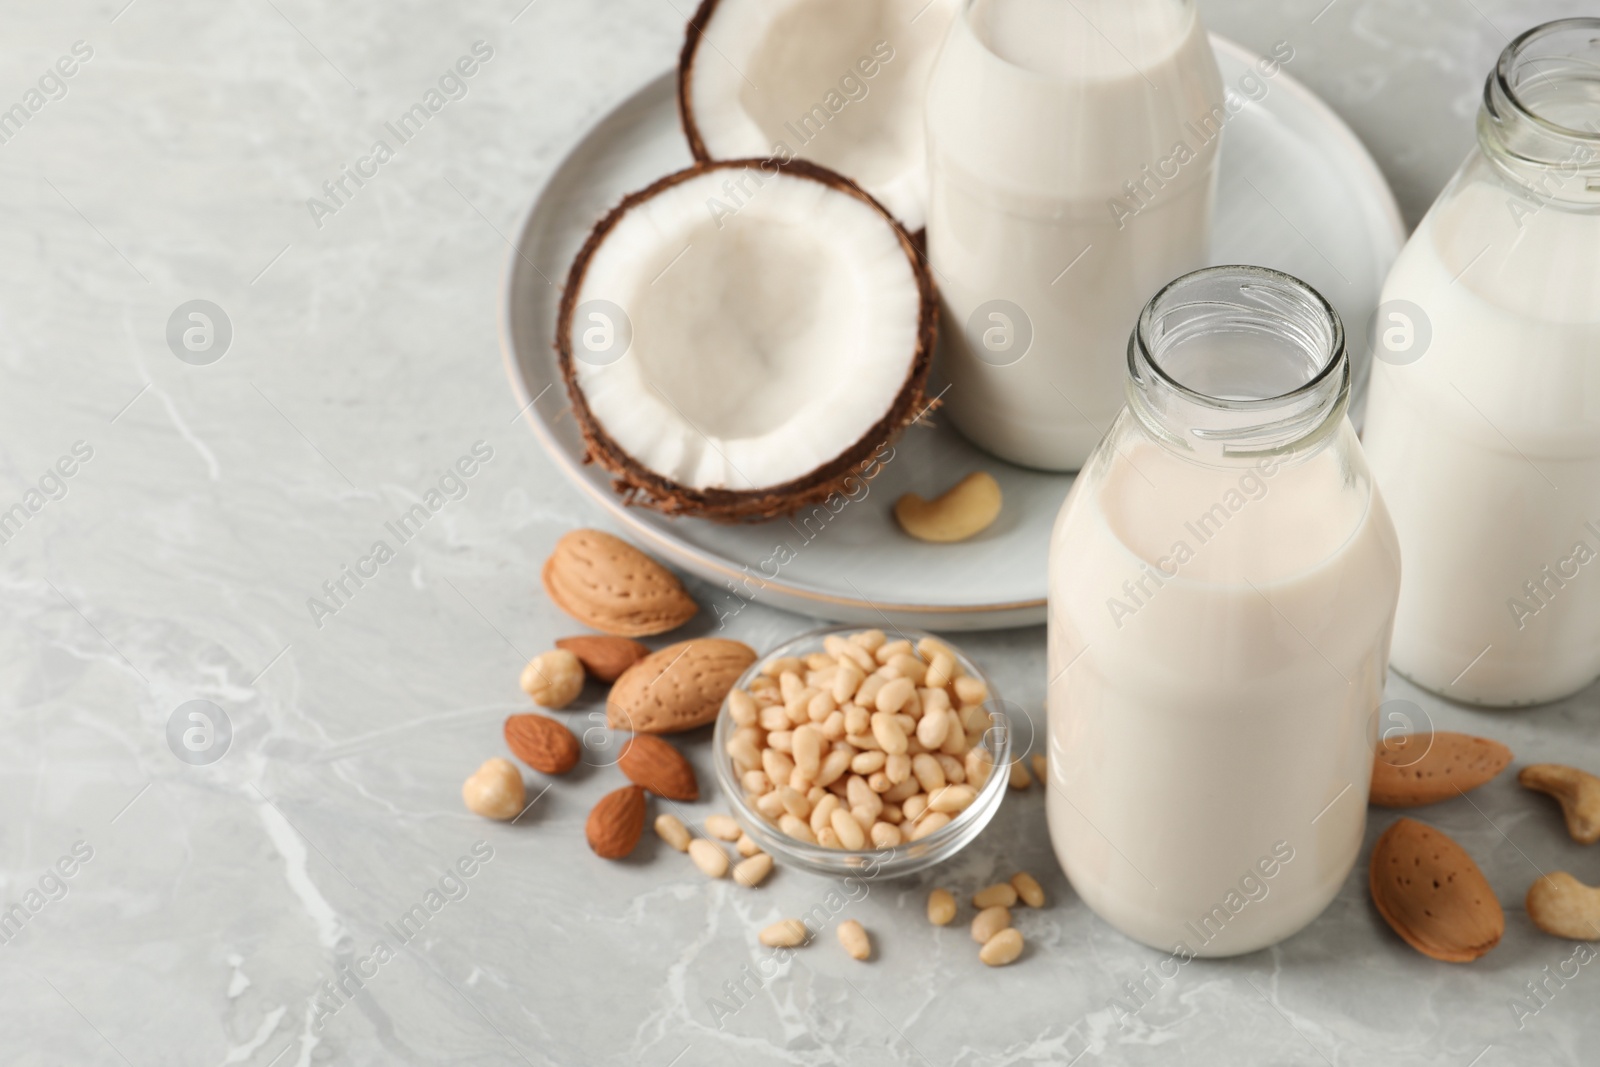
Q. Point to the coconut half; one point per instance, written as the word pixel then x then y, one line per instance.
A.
pixel 842 83
pixel 739 339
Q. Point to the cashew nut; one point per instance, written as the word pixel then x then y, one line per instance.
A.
pixel 965 510
pixel 1578 791
pixel 1559 904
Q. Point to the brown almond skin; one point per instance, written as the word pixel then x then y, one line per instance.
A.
pixel 1579 794
pixel 608 585
pixel 604 658
pixel 651 762
pixel 678 688
pixel 542 743
pixel 1433 895
pixel 616 822
pixel 1451 765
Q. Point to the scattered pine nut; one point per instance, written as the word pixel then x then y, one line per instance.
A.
pixel 990 921
pixel 785 933
pixel 853 936
pixel 1041 768
pixel 709 857
pixel 1028 889
pixel 723 827
pixel 671 830
pixel 1003 948
pixel 1001 894
pixel 1020 778
pixel 941 907
pixel 753 871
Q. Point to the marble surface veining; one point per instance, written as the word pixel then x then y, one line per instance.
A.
pixel 233 912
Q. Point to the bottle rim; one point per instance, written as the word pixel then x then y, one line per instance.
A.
pixel 1500 83
pixel 1141 347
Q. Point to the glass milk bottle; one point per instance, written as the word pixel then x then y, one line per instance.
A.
pixel 1484 420
pixel 1223 578
pixel 1072 155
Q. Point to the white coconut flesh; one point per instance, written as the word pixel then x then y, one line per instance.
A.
pixel 765 343
pixel 791 77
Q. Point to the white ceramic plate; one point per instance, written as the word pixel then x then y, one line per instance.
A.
pixel 1298 192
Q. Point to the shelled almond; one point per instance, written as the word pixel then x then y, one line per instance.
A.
pixel 866 744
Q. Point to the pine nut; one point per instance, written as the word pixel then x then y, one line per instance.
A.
pixel 889 651
pixel 833 767
pixel 857 719
pixel 846 680
pixel 723 827
pixel 933 727
pixel 941 907
pixel 913 806
pixel 910 667
pixel 744 753
pixel 853 936
pixel 867 694
pixel 821 706
pixel 833 727
pixel 1001 894
pixel 796 828
pixel 849 830
pixel 827 838
pixel 1041 768
pixel 889 734
pixel 746 846
pixel 752 871
pixel 941 671
pixel 988 922
pixel 808 744
pixel 928 772
pixel 971 691
pixel 879 782
pixel 790 685
pixel 774 717
pixel 891 813
pixel 823 812
pixel 742 707
pixel 670 829
pixel 930 822
pixel 898 793
pixel 756 782
pixel 780 767
pixel 794 802
pixel 770 804
pixel 979 764
pixel 894 696
pixel 897 767
pixel 867 762
pixel 709 857
pixel 785 933
pixel 952 798
pixel 1020 778
pixel 782 740
pixel 955 739
pixel 871 640
pixel 930 647
pixel 1003 948
pixel 885 835
pixel 1028 889
pixel 954 771
pixel 864 742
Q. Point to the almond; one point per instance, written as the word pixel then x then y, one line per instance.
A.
pixel 660 768
pixel 1415 769
pixel 607 584
pixel 678 688
pixel 604 658
pixel 542 743
pixel 616 822
pixel 1428 889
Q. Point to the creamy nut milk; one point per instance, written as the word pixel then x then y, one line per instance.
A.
pixel 1046 120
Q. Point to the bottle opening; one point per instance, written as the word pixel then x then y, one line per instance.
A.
pixel 1238 356
pixel 1552 73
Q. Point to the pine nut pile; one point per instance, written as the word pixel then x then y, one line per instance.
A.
pixel 867 744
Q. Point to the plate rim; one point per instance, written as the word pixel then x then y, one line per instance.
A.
pixel 701 561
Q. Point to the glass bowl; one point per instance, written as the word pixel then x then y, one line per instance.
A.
pixel 905 858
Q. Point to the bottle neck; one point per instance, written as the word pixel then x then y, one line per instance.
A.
pixel 1234 363
pixel 1540 121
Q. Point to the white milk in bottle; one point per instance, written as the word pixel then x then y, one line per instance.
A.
pixel 1223 579
pixel 1048 122
pixel 1484 420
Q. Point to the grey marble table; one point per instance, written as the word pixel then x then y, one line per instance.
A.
pixel 174 913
